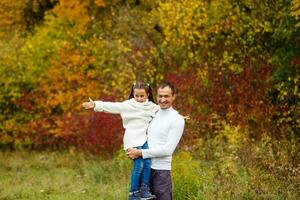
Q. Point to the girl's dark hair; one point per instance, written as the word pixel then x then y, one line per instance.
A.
pixel 142 85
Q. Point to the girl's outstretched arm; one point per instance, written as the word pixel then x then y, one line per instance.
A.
pixel 103 106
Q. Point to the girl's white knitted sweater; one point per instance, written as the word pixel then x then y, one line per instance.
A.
pixel 135 117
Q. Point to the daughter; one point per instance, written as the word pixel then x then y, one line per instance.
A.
pixel 136 113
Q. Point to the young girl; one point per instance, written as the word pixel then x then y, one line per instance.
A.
pixel 136 113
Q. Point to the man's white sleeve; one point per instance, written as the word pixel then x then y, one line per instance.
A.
pixel 109 107
pixel 169 147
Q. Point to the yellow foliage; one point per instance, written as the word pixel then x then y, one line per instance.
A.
pixel 186 174
pixel 75 12
pixel 21 15
pixel 182 21
pixel 5 139
pixel 233 134
pixel 296 10
pixel 11 15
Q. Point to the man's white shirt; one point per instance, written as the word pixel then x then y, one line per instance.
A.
pixel 164 133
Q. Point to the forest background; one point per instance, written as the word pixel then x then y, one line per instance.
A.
pixel 235 64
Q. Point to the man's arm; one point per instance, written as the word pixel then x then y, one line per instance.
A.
pixel 167 149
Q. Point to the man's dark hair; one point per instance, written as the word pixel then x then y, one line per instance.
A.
pixel 168 84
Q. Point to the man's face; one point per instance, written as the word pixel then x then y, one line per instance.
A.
pixel 165 97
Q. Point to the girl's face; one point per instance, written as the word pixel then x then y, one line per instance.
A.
pixel 140 95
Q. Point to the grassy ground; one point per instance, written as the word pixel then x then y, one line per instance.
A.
pixel 62 176
pixel 77 176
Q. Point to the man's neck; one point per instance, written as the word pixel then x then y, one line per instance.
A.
pixel 165 110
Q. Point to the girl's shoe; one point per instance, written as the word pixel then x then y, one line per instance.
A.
pixel 145 193
pixel 134 195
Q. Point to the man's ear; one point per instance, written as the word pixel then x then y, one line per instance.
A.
pixel 174 97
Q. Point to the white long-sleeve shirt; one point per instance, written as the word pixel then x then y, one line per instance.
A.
pixel 164 133
pixel 135 118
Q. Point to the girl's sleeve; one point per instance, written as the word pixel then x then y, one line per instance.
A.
pixel 109 107
pixel 156 108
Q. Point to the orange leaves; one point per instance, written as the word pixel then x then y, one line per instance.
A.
pixel 100 3
pixel 75 12
pixel 65 84
pixel 78 73
pixel 21 15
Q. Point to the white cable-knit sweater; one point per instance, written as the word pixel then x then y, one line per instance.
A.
pixel 164 133
pixel 135 117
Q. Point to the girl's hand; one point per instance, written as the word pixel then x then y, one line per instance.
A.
pixel 89 105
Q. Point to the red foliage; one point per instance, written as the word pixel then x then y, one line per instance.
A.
pixel 104 132
pixel 240 99
pixel 94 133
pixel 295 61
pixel 189 91
pixel 189 101
pixel 26 101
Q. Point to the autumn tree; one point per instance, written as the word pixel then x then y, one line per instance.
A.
pixel 237 60
pixel 296 10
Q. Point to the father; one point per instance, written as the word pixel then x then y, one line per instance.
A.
pixel 164 133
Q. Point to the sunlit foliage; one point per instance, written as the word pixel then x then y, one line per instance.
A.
pixel 238 60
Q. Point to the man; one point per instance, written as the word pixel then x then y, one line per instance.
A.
pixel 164 133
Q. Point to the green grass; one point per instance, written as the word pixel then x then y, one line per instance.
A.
pixel 78 176
pixel 62 176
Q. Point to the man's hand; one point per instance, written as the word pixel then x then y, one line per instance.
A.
pixel 134 153
pixel 186 117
